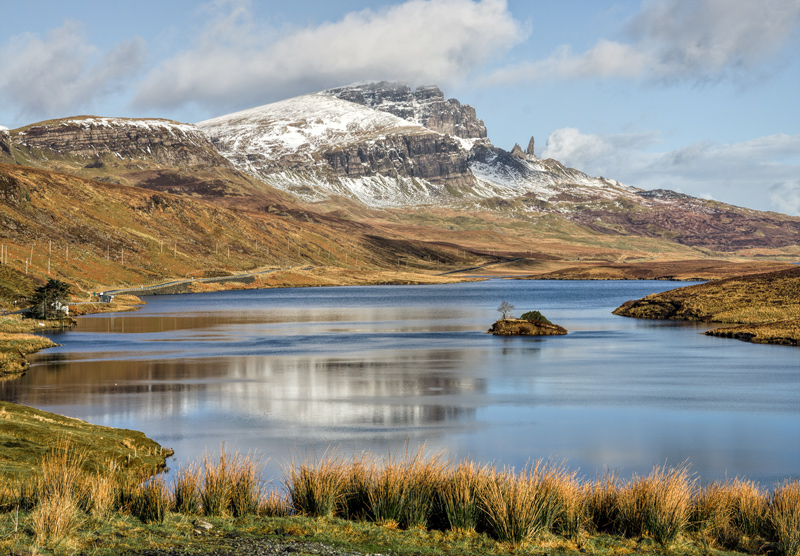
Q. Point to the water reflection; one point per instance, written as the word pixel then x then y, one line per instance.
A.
pixel 375 368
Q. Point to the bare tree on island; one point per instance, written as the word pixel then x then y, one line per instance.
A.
pixel 505 309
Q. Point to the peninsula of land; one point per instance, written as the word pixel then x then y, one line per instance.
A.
pixel 766 307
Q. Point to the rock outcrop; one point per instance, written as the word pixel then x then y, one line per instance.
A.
pixel 426 106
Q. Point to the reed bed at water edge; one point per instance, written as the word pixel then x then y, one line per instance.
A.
pixel 420 491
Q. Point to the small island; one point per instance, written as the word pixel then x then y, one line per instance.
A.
pixel 532 323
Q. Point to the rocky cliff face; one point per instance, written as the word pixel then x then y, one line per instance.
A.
pixel 426 106
pixel 437 158
pixel 161 141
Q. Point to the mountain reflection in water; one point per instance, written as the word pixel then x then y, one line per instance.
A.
pixel 286 371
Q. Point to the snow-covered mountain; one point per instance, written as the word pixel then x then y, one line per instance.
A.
pixel 386 146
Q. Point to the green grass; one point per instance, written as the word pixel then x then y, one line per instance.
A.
pixel 27 435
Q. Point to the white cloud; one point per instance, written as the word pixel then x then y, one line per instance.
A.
pixel 785 196
pixel 238 62
pixel 596 154
pixel 52 76
pixel 673 40
pixel 762 173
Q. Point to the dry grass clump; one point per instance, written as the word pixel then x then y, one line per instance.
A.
pixel 151 501
pixel 229 485
pixel 602 505
pixel 98 494
pixel 316 488
pixel 728 514
pixel 658 504
pixel 402 490
pixel 54 518
pixel 784 517
pixel 459 495
pixel 186 489
pixel 56 498
pixel 518 506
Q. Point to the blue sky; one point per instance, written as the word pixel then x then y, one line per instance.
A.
pixel 699 96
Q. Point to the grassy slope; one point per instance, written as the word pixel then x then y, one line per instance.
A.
pixel 768 303
pixel 27 434
pixel 99 235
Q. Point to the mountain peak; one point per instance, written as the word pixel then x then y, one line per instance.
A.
pixel 425 105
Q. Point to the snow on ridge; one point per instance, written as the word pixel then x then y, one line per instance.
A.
pixel 142 123
pixel 302 124
pixel 3 129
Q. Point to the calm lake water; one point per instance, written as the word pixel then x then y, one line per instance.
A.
pixel 287 371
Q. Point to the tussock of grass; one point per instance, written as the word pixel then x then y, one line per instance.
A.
pixel 729 514
pixel 459 495
pixel 186 490
pixel 230 485
pixel 316 487
pixel 151 501
pixel 784 517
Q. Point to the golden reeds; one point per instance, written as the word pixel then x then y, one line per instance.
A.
pixel 186 489
pixel 229 484
pixel 459 495
pixel 418 490
pixel 151 501
pixel 658 504
pixel 784 517
pixel 316 488
pixel 518 506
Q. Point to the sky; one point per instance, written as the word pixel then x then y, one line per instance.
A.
pixel 697 96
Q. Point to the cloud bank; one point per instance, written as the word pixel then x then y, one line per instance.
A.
pixel 60 73
pixel 237 61
pixel 676 40
pixel 762 173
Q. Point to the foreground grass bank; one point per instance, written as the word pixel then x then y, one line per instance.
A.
pixel 768 304
pixel 408 504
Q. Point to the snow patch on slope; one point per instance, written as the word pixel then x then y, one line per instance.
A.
pixel 374 191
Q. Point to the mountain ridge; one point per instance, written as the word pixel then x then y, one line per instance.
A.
pixel 369 159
